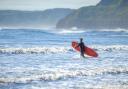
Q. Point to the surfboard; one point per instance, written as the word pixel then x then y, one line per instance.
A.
pixel 88 51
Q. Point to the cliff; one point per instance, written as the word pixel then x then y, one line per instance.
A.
pixel 107 14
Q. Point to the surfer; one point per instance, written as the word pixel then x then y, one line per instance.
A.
pixel 82 47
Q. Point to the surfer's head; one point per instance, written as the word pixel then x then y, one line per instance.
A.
pixel 81 39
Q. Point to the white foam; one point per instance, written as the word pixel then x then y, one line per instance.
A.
pixel 106 86
pixel 69 31
pixel 34 50
pixel 59 49
pixel 114 30
pixel 110 47
pixel 57 74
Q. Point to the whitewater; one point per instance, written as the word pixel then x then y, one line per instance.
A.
pixel 44 59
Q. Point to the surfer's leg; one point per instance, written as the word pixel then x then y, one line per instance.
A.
pixel 82 54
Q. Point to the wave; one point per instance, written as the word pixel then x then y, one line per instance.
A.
pixel 53 50
pixel 58 74
pixel 115 30
pixel 111 47
pixel 27 28
pixel 70 31
pixel 64 31
pixel 105 86
pixel 35 50
pixel 77 30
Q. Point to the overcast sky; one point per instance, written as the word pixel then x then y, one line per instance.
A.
pixel 44 4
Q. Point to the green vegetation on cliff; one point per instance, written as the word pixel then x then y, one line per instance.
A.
pixel 106 14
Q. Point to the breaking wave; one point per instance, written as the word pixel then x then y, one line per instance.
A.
pixel 35 50
pixel 111 47
pixel 71 31
pixel 114 30
pixel 58 74
pixel 53 50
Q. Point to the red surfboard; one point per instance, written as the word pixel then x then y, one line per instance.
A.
pixel 88 51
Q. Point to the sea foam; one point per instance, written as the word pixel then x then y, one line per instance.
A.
pixel 58 74
pixel 53 50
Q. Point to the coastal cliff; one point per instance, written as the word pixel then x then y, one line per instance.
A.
pixel 107 14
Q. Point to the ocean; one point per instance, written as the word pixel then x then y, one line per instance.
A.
pixel 44 59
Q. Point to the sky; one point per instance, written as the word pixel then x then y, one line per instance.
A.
pixel 44 4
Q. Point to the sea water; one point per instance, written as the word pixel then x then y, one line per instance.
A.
pixel 44 59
